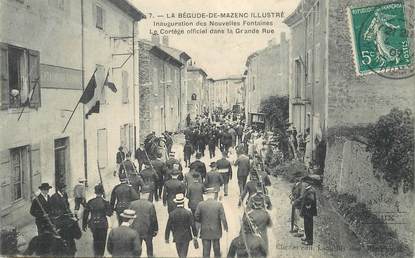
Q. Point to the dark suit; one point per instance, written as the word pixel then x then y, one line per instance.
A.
pixel 224 168
pixel 213 179
pixel 150 178
pixel 58 205
pixel 243 170
pixel 195 195
pixel 121 197
pixel 200 167
pixel 99 209
pixel 182 224
pixel 189 179
pixel 145 223
pixel 254 243
pixel 171 188
pixel 211 215
pixel 161 170
pixel 308 211
pixel 262 221
pixel 123 242
pixel 36 211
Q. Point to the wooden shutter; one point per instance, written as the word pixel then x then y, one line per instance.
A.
pixel 5 178
pixel 35 175
pixel 4 76
pixel 34 77
pixel 94 14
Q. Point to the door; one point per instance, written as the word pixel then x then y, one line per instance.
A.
pixel 61 160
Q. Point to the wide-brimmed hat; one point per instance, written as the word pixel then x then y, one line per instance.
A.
pixel 129 214
pixel 210 190
pixel 212 164
pixel 175 172
pixel 45 186
pixel 179 199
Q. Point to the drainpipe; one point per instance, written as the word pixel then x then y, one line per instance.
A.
pixel 83 88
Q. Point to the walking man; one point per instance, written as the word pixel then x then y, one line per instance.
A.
pixel 188 151
pixel 195 192
pixel 121 197
pixel 211 216
pixel 124 241
pixel 242 173
pixel 145 223
pixel 214 179
pixel 247 244
pixel 99 209
pixel 308 211
pixel 199 166
pixel 40 208
pixel 225 170
pixel 79 195
pixel 140 156
pixel 172 187
pixel 58 202
pixel 161 170
pixel 150 178
pixel 182 224
pixel 119 158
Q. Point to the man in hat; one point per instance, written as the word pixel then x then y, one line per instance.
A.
pixel 128 169
pixel 173 163
pixel 59 204
pixel 295 206
pixel 242 173
pixel 212 142
pixel 119 157
pixel 172 187
pixel 40 208
pixel 190 176
pixel 188 151
pixel 145 223
pixel 121 197
pixel 211 216
pixel 182 224
pixel 247 244
pixel 258 217
pixel 150 178
pixel 124 241
pixel 79 195
pixel 195 192
pixel 140 155
pixel 95 217
pixel 214 179
pixel 251 187
pixel 224 168
pixel 199 166
pixel 308 211
pixel 161 171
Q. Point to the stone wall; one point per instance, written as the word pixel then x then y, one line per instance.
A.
pixel 350 171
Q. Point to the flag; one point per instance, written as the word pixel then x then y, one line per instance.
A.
pixel 90 97
pixel 110 85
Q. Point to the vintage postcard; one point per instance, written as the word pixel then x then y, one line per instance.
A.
pixel 195 128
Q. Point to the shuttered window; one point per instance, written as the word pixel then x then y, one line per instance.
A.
pixel 19 77
pixel 100 17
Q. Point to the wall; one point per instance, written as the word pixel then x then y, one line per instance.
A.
pixel 195 84
pixel 353 99
pixel 349 170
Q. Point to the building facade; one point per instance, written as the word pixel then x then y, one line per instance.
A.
pixel 160 88
pixel 54 58
pixel 229 91
pixel 196 91
pixel 266 74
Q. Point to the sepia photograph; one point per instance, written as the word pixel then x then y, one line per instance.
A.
pixel 196 128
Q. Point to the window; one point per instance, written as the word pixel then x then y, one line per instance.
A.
pixel 61 160
pixel 298 76
pixel 168 73
pixel 125 99
pixel 253 83
pixel 102 147
pixel 99 22
pixel 19 77
pixel 317 63
pixel 19 167
pixel 310 65
pixel 317 12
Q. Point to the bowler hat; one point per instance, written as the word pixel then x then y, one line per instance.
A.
pixel 45 186
pixel 179 199
pixel 212 164
pixel 129 214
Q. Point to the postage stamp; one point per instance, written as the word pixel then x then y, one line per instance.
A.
pixel 380 38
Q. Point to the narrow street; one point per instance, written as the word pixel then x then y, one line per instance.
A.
pixel 332 237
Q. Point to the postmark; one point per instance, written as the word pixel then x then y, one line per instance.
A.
pixel 381 40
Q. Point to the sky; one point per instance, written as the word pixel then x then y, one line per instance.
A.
pixel 218 55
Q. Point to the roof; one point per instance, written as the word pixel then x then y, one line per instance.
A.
pixel 178 54
pixel 297 15
pixel 248 60
pixel 128 8
pixel 193 68
pixel 160 52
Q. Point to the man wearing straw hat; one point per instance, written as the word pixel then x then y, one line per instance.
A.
pixel 182 224
pixel 145 223
pixel 124 241
pixel 79 195
pixel 211 216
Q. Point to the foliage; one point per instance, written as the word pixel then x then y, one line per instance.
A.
pixel 391 143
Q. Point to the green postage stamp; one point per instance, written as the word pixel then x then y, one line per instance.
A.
pixel 380 38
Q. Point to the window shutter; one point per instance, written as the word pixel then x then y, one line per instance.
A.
pixel 25 172
pixel 94 14
pixel 35 176
pixel 5 178
pixel 34 78
pixel 4 76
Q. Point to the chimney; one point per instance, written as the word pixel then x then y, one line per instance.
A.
pixel 155 38
pixel 165 40
pixel 282 37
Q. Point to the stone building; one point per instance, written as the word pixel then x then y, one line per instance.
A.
pixel 196 91
pixel 52 48
pixel 266 74
pixel 326 93
pixel 161 88
pixel 228 91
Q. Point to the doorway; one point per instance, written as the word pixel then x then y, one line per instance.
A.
pixel 61 160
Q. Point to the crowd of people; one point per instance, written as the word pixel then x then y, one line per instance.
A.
pixel 159 176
